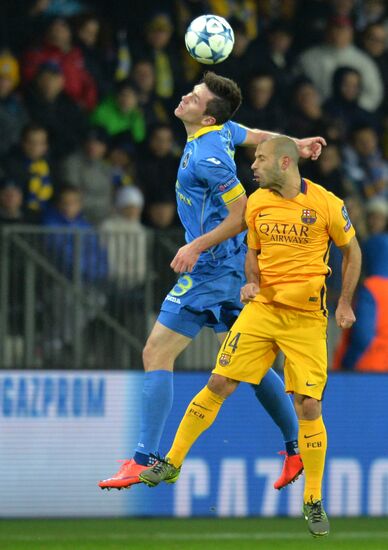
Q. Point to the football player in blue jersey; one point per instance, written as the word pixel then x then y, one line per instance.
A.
pixel 211 205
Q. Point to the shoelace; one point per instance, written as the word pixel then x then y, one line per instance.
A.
pixel 160 464
pixel 316 513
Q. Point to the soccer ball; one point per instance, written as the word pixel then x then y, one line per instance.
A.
pixel 209 39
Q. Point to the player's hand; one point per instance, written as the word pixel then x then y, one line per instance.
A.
pixel 186 258
pixel 248 292
pixel 310 148
pixel 344 315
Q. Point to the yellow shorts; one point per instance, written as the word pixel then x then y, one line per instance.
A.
pixel 254 340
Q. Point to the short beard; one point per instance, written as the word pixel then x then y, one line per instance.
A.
pixel 275 180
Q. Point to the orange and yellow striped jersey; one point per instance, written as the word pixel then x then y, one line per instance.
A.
pixel 294 237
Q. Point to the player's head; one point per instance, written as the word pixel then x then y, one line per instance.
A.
pixel 213 101
pixel 275 160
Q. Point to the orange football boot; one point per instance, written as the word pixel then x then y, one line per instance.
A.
pixel 127 476
pixel 292 469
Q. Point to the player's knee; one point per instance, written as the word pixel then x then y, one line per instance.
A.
pixel 155 357
pixel 308 408
pixel 150 356
pixel 221 385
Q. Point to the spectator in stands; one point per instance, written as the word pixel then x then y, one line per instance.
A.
pixel 11 204
pixel 306 116
pixel 159 48
pixel 121 160
pixel 91 174
pixel 28 165
pixel 98 62
pixel 376 210
pixel 277 56
pixel 48 105
pixel 26 21
pixel 67 212
pixel 153 107
pixel 374 42
pixel 127 239
pixel 157 168
pixel 88 258
pixel 328 171
pixel 261 108
pixel 13 115
pixel 320 62
pixel 372 11
pixel 58 48
pixel 356 210
pixel 343 105
pixel 365 346
pixel 120 113
pixel 364 165
pixel 243 60
pixel 126 243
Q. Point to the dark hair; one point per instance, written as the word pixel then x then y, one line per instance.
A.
pixel 228 97
pixel 32 127
pixel 126 84
pixel 153 128
pixel 64 189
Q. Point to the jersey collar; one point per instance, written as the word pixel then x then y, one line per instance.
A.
pixel 303 186
pixel 204 130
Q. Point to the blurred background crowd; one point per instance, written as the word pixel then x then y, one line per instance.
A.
pixel 88 138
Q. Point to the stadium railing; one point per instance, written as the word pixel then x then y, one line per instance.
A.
pixel 76 298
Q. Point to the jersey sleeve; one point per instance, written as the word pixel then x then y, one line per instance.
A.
pixel 239 132
pixel 341 230
pixel 253 239
pixel 219 173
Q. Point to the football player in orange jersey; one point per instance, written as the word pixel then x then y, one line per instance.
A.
pixel 291 222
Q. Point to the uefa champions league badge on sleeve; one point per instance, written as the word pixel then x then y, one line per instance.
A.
pixel 346 217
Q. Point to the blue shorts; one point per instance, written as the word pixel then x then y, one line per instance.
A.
pixel 208 296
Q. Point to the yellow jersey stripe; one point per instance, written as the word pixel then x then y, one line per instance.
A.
pixel 233 194
pixel 205 130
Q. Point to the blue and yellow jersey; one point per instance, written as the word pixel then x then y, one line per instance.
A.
pixel 207 182
pixel 294 237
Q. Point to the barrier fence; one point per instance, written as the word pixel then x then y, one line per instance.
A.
pixel 79 298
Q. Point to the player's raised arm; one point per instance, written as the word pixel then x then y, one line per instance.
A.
pixel 187 256
pixel 351 268
pixel 310 147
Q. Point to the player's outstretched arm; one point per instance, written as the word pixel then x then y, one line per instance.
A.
pixel 310 147
pixel 187 256
pixel 351 269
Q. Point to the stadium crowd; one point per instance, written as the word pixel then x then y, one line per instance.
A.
pixel 88 90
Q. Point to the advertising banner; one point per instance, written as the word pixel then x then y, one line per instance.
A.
pixel 62 431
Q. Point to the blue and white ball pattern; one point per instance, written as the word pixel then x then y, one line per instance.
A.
pixel 209 39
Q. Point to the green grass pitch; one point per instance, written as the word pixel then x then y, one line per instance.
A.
pixel 190 534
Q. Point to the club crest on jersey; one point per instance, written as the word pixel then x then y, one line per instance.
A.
pixel 308 216
pixel 186 158
pixel 224 359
